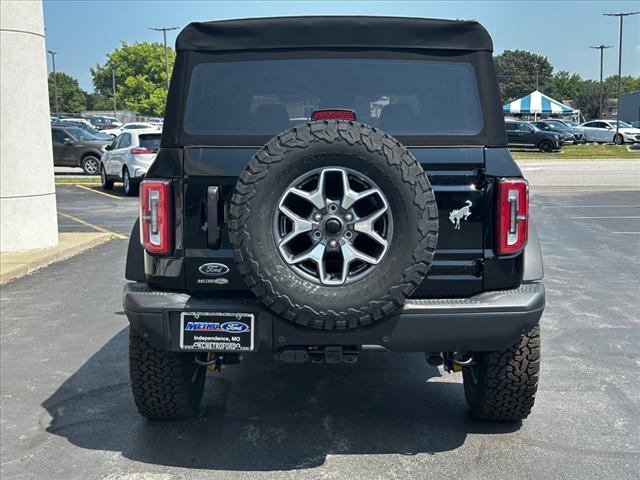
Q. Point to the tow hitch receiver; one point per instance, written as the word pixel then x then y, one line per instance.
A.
pixel 328 354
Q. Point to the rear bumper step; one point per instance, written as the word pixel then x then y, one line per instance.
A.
pixel 484 322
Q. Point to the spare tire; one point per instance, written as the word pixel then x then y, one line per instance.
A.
pixel 333 224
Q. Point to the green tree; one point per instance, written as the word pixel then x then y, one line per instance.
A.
pixel 562 85
pixel 71 98
pixel 516 71
pixel 98 101
pixel 587 99
pixel 140 77
pixel 628 84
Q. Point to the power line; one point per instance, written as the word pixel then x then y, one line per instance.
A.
pixel 621 16
pixel 164 31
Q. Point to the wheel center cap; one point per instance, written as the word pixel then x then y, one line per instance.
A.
pixel 333 226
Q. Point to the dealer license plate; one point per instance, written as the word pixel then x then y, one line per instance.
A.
pixel 216 331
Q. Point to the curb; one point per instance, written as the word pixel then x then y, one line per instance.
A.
pixel 14 265
pixel 74 180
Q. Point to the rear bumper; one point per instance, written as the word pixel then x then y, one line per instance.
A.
pixel 487 321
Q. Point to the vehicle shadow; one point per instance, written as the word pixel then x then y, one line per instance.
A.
pixel 261 415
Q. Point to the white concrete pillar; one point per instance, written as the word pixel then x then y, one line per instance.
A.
pixel 28 218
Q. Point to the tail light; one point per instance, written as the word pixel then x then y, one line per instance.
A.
pixel 155 216
pixel 140 151
pixel 513 215
pixel 333 114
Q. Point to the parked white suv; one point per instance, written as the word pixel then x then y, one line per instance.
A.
pixel 130 126
pixel 604 131
pixel 128 158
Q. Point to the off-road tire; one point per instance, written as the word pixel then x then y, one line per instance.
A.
pixel 255 199
pixel 507 381
pixel 165 385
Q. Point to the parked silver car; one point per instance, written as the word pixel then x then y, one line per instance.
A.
pixel 128 158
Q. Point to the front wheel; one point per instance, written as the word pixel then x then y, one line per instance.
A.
pixel 618 139
pixel 501 386
pixel 545 146
pixel 91 165
pixel 165 385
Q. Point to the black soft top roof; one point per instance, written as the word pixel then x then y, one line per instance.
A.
pixel 334 32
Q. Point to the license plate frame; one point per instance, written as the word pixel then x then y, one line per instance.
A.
pixel 217 331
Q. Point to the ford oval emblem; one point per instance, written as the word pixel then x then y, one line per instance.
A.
pixel 213 269
pixel 235 327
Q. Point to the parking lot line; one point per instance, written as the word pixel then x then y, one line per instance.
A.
pixel 627 233
pixel 98 192
pixel 118 236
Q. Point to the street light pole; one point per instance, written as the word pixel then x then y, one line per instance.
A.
pixel 55 80
pixel 164 31
pixel 601 48
pixel 113 89
pixel 621 15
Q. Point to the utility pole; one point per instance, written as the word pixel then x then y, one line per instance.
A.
pixel 601 48
pixel 164 31
pixel 55 80
pixel 113 88
pixel 621 15
pixel 535 65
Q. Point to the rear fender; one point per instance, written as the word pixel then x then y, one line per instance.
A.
pixel 134 268
pixel 533 267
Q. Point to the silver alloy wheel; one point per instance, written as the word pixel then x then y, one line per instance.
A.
pixel 90 165
pixel 333 226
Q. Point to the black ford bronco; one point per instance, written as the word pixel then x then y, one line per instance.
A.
pixel 327 186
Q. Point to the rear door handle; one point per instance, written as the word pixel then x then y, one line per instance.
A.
pixel 213 225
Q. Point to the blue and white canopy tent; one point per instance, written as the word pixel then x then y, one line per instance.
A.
pixel 537 103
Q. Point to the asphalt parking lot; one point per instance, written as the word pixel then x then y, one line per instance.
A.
pixel 67 411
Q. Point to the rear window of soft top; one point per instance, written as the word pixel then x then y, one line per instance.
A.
pixel 402 97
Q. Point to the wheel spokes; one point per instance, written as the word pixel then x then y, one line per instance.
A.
pixel 316 197
pixel 365 225
pixel 306 232
pixel 349 196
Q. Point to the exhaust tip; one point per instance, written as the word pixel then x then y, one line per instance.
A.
pixel 434 359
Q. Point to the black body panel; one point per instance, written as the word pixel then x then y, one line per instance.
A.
pixel 457 175
pixel 464 263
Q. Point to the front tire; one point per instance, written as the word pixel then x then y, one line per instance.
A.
pixel 618 139
pixel 502 386
pixel 90 165
pixel 165 385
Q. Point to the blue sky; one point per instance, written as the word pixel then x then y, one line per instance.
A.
pixel 83 32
